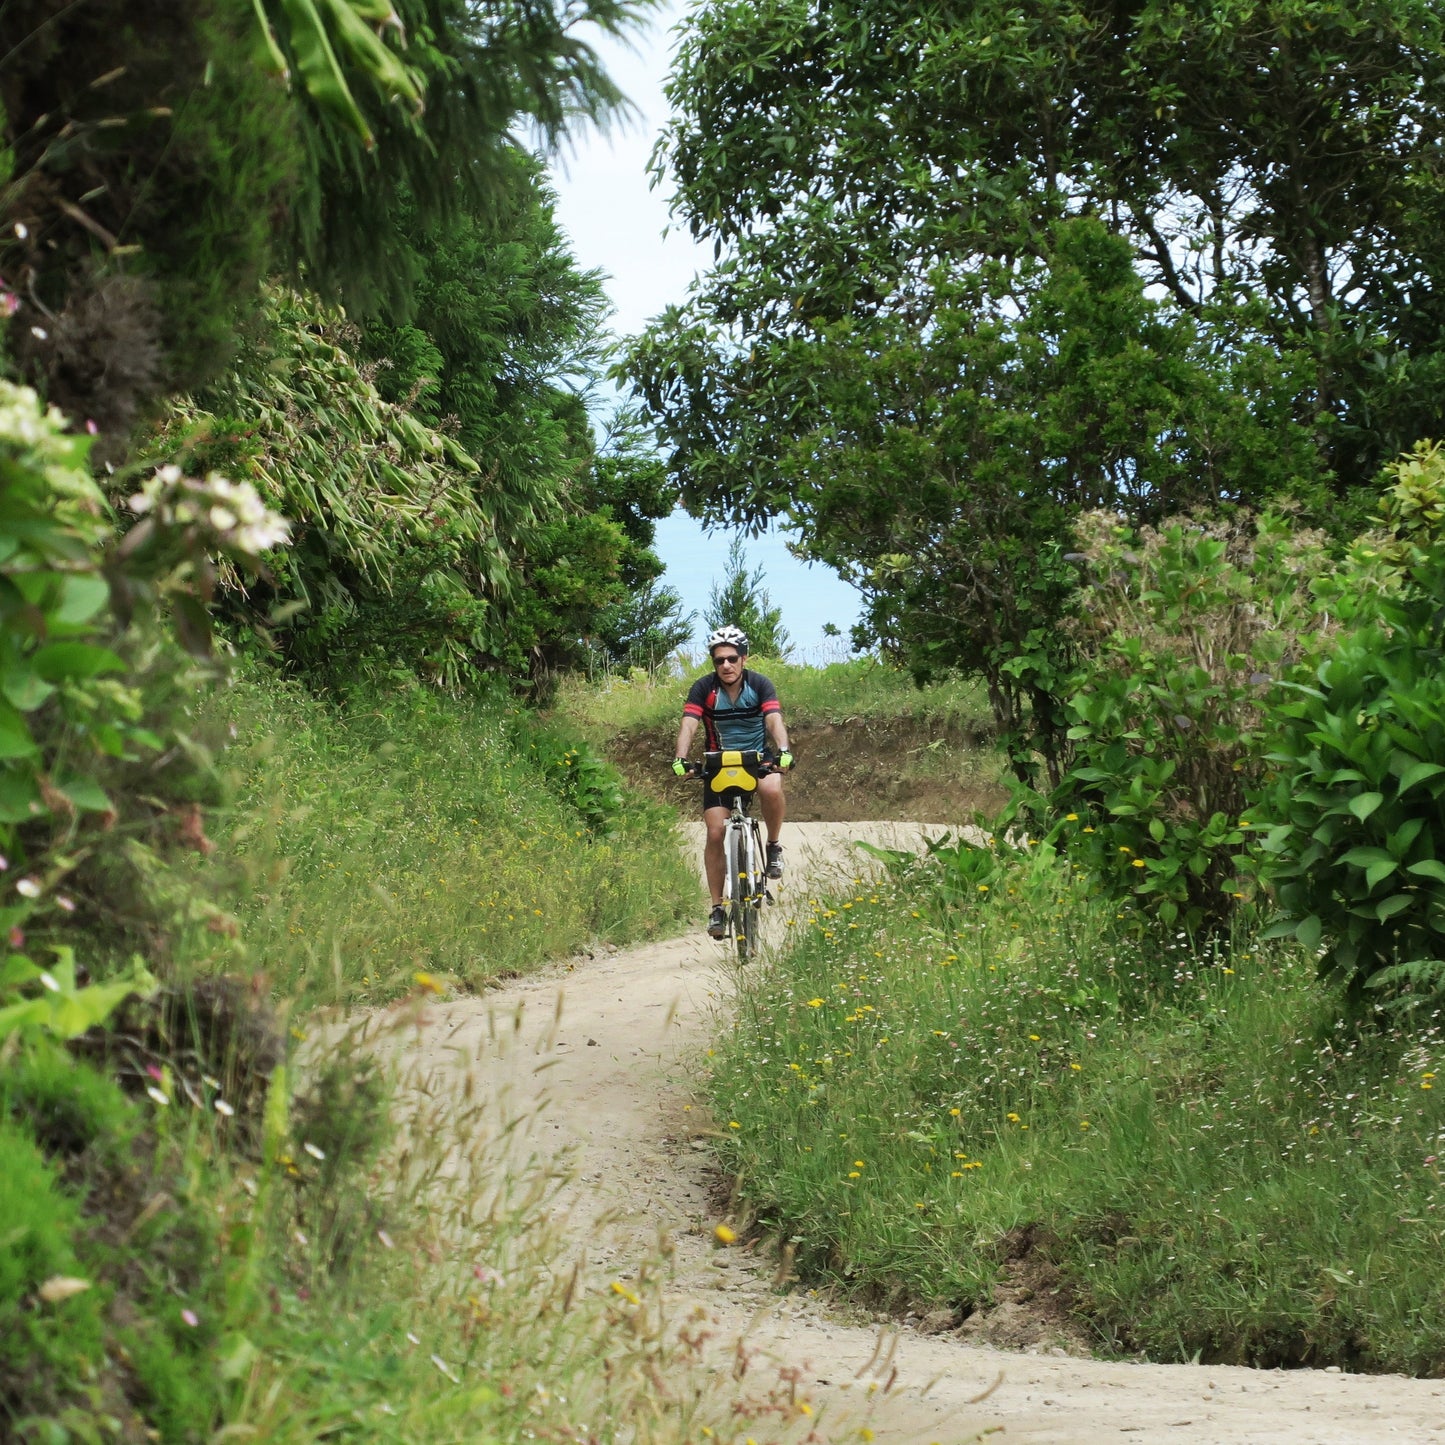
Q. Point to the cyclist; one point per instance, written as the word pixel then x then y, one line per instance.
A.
pixel 738 709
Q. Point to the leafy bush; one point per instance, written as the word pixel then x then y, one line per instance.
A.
pixel 1356 847
pixel 81 750
pixel 1183 632
pixel 584 781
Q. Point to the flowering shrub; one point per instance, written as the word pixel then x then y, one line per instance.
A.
pixel 70 704
pixel 1184 631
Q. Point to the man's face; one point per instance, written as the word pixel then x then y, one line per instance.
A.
pixel 728 661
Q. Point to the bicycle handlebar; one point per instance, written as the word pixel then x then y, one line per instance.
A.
pixel 752 760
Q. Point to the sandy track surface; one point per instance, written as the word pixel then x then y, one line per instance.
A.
pixel 597 1055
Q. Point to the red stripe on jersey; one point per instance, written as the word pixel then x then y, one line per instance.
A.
pixel 772 705
pixel 691 709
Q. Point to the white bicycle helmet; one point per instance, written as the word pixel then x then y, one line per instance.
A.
pixel 729 635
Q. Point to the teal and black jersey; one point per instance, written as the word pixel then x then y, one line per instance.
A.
pixel 729 723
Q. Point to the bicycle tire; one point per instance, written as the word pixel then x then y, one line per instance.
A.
pixel 732 842
pixel 749 937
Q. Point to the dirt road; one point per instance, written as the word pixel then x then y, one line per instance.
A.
pixel 599 1054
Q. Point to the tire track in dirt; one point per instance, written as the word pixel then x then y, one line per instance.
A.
pixel 596 1055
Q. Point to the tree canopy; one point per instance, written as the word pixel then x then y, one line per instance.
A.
pixel 980 266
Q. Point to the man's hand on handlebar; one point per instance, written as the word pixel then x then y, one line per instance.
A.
pixel 785 761
pixel 683 769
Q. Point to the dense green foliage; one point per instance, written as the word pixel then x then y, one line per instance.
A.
pixel 941 1096
pixel 160 166
pixel 1182 635
pixel 453 515
pixel 980 269
pixel 1356 855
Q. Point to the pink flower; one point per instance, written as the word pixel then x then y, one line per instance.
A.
pixel 190 1317
pixel 154 1072
pixel 17 937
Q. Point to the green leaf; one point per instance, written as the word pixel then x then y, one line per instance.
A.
pixel 1417 773
pixel 15 739
pixel 75 1012
pixel 25 689
pixel 31 1011
pixel 1363 804
pixel 87 795
pixel 1379 870
pixel 1396 903
pixel 1428 868
pixel 1365 857
pixel 319 68
pixel 81 598
pixel 64 661
pixel 18 969
pixel 1308 932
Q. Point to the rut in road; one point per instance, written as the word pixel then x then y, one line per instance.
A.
pixel 598 1055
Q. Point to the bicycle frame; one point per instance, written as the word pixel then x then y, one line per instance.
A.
pixel 745 886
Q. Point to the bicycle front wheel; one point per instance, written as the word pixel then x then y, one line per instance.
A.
pixel 734 849
pixel 750 914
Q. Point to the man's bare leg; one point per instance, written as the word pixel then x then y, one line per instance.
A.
pixel 716 820
pixel 774 804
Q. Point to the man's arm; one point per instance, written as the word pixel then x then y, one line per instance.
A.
pixel 685 734
pixel 777 731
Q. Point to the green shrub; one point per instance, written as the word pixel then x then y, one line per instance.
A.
pixel 583 781
pixel 1183 632
pixel 1356 845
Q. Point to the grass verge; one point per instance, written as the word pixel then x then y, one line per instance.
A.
pixel 419 833
pixel 935 1104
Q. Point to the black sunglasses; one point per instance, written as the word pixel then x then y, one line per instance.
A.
pixel 726 661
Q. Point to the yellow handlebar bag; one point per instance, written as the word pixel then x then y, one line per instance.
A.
pixel 732 774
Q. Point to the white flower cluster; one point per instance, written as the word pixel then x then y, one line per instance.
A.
pixel 26 421
pixel 231 513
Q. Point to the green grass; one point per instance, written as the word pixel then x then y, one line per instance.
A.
pixel 1214 1167
pixel 425 834
pixel 408 1286
pixel 837 693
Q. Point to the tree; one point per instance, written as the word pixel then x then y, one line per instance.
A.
pixel 646 629
pixel 161 162
pixel 979 267
pixel 940 469
pixel 742 600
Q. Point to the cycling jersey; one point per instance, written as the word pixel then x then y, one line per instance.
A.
pixel 732 724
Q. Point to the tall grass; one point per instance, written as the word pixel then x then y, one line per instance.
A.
pixel 425 834
pixel 912 1094
pixel 404 1284
pixel 839 692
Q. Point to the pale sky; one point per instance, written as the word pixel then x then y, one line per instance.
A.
pixel 619 225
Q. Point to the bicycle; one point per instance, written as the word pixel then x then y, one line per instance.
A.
pixel 745 878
